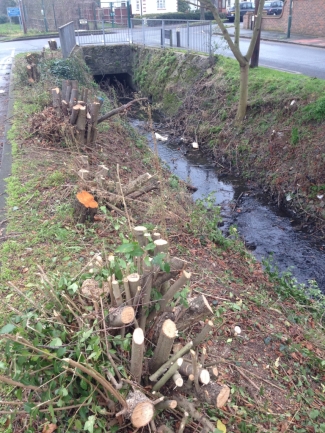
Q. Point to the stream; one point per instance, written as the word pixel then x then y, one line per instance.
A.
pixel 265 229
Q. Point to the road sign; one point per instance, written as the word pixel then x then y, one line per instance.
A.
pixel 13 12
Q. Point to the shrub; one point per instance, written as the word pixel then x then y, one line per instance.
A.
pixel 3 19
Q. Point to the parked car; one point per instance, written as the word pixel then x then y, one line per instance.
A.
pixel 244 7
pixel 273 7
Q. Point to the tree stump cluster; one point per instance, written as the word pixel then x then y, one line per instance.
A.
pixel 176 367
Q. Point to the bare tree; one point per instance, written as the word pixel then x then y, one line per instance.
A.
pixel 243 59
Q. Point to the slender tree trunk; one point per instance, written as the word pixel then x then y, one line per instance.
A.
pixel 237 23
pixel 243 92
pixel 202 12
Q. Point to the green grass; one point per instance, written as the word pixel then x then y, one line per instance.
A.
pixel 8 29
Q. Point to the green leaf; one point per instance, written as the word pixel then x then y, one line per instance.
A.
pixel 2 365
pixel 125 248
pixel 61 352
pixel 150 246
pixel 314 413
pixel 86 335
pixel 7 329
pixel 89 425
pixel 56 342
pixel 73 287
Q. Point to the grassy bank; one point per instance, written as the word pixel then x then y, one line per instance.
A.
pixel 280 143
pixel 274 367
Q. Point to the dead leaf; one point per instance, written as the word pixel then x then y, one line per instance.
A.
pixel 49 428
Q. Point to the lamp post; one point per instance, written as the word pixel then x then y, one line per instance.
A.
pixel 290 19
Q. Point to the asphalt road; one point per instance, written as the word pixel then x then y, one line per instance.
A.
pixel 288 57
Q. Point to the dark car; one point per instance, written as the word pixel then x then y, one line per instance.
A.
pixel 273 7
pixel 244 7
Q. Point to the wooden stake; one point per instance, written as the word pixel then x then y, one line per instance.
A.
pixel 81 123
pixel 203 374
pixel 178 380
pixel 74 114
pixel 216 395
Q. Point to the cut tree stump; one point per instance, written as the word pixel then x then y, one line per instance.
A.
pixel 85 207
pixel 121 316
pixel 53 45
pixel 214 394
pixel 56 98
pixel 164 345
pixel 139 409
pixel 199 309
pixel 137 354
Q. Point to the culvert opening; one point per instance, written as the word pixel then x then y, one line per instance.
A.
pixel 116 81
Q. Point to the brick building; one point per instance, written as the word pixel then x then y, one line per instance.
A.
pixel 308 18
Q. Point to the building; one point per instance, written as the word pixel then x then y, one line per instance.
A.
pixel 145 7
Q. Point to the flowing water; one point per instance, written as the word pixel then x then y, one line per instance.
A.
pixel 265 229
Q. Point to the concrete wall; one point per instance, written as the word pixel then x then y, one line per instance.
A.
pixel 308 18
pixel 102 60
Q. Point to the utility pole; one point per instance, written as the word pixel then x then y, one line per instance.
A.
pixel 256 52
pixel 290 19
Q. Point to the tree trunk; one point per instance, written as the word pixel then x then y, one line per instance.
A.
pixel 81 124
pixel 237 23
pixel 199 309
pixel 137 354
pixel 203 334
pixel 243 92
pixel 164 345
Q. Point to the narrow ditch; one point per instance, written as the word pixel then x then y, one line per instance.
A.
pixel 268 231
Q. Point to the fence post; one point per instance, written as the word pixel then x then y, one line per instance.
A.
pixel 178 38
pixel 103 23
pixel 129 13
pixel 112 14
pixel 143 33
pixel 210 39
pixel 188 35
pixel 163 33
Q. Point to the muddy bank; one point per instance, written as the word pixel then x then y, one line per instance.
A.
pixel 269 232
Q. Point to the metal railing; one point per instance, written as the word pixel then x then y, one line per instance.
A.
pixel 103 32
pixel 67 39
pixel 189 35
